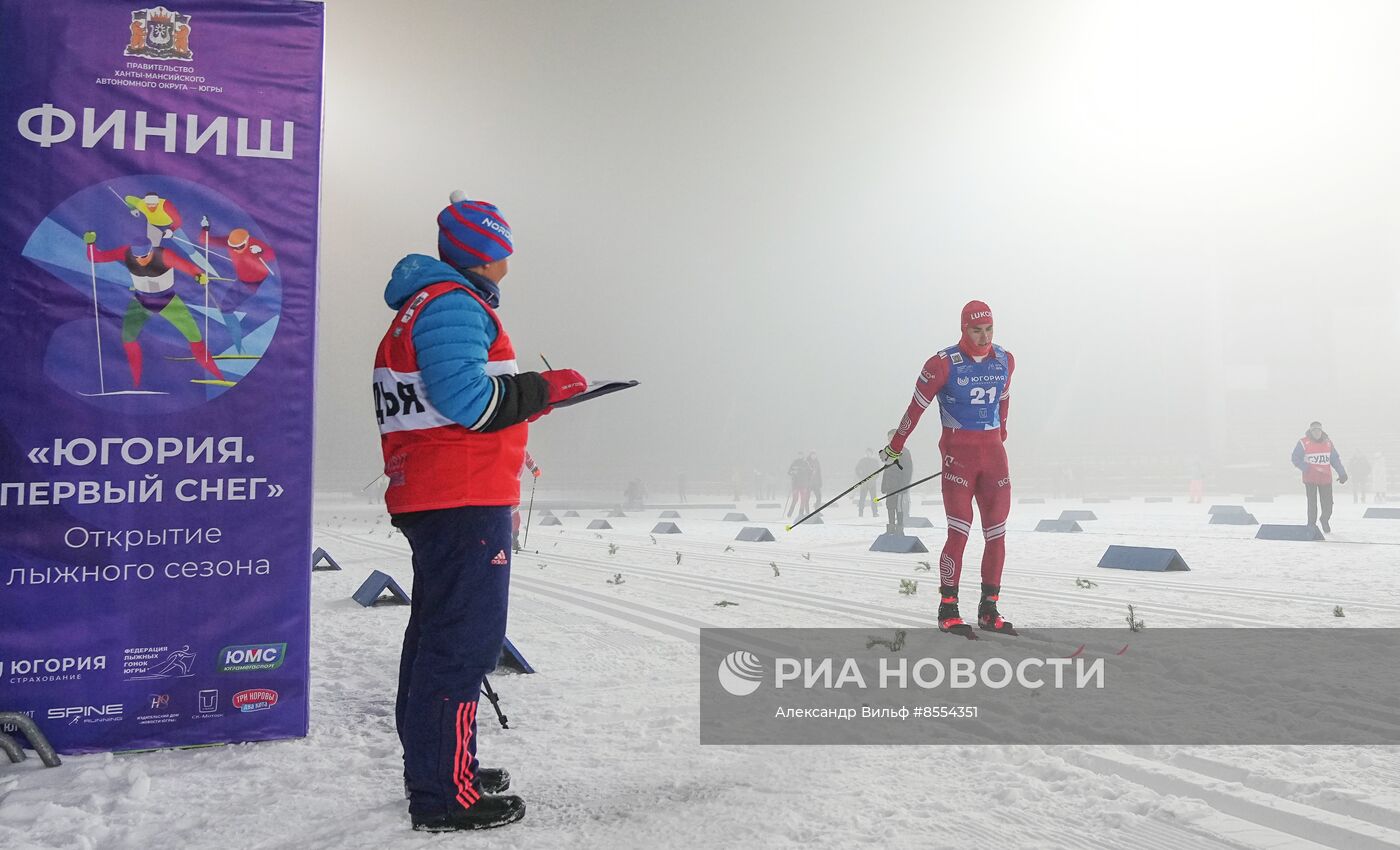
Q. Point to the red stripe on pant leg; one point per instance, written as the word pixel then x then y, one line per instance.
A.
pixel 466 794
pixel 467 762
pixel 457 753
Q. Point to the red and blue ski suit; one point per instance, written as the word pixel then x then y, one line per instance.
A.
pixel 973 397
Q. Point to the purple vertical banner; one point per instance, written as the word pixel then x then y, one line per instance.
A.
pixel 157 339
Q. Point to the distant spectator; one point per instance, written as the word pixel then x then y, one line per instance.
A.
pixel 1361 471
pixel 1197 486
pixel 897 506
pixel 634 496
pixel 800 478
pixel 865 467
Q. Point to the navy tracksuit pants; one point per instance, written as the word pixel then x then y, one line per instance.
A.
pixel 457 625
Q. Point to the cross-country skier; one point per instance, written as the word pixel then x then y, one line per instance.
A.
pixel 180 659
pixel 971 381
pixel 250 257
pixel 152 272
pixel 1316 457
pixel 162 218
pixel 452 411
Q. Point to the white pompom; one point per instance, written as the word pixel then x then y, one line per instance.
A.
pixel 457 196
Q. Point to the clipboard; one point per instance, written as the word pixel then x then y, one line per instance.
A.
pixel 596 389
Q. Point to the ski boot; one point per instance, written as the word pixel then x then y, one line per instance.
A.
pixel 948 619
pixel 486 813
pixel 987 617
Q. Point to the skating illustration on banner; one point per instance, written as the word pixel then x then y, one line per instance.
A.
pixel 184 290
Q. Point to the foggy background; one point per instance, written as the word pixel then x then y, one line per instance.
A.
pixel 770 213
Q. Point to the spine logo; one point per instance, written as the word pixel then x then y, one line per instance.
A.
pixel 740 673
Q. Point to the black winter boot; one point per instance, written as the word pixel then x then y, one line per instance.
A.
pixel 486 813
pixel 988 618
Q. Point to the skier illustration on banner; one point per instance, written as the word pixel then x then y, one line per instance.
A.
pixel 178 663
pixel 250 257
pixel 152 271
pixel 142 268
pixel 162 217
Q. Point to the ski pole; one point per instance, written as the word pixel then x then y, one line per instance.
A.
pixel 96 320
pixel 908 486
pixel 372 483
pixel 844 492
pixel 529 512
pixel 208 270
pixel 207 253
pixel 546 363
pixel 495 702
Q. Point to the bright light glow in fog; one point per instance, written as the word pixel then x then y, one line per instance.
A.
pixel 770 214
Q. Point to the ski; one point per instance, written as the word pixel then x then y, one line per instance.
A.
pixel 213 382
pixel 960 630
pixel 220 357
pixel 1008 631
pixel 123 392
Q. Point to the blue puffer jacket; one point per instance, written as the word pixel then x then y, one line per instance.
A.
pixel 452 336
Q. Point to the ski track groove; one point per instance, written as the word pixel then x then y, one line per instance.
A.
pixel 824 602
pixel 1138 578
pixel 881 613
pixel 1273 813
pixel 1102 603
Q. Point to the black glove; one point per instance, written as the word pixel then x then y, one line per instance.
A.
pixel 1342 479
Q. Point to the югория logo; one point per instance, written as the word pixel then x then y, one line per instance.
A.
pixel 740 673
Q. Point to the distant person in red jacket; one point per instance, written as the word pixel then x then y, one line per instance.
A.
pixel 1316 457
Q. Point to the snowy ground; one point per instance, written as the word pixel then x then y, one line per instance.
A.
pixel 604 742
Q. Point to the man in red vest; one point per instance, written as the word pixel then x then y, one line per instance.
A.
pixel 1316 457
pixel 452 410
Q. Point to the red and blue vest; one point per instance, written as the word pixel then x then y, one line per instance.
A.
pixel 1317 454
pixel 431 461
pixel 971 396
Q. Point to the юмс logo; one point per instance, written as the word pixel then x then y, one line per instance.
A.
pixel 250 657
pixel 741 673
